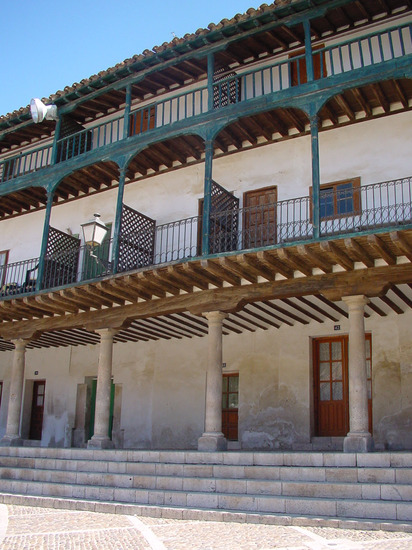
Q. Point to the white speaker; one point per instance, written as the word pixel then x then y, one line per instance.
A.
pixel 39 111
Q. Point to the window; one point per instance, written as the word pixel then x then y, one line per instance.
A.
pixel 339 199
pixel 4 255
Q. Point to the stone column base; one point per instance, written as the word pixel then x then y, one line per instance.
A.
pixel 100 443
pixel 11 441
pixel 358 443
pixel 212 442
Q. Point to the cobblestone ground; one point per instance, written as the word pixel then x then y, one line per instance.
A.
pixel 23 527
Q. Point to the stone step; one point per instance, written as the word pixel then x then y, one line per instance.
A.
pixel 241 458
pixel 310 489
pixel 274 504
pixel 282 473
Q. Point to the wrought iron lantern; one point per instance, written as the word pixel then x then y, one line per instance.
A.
pixel 94 231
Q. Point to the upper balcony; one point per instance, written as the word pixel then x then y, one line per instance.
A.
pixel 237 92
pixel 347 210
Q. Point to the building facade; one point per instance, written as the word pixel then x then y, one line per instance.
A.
pixel 252 287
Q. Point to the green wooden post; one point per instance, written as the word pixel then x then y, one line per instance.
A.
pixel 126 123
pixel 308 51
pixel 314 136
pixel 43 250
pixel 210 74
pixel 207 202
pixel 118 220
pixel 55 140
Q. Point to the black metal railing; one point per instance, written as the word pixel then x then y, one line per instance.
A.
pixel 345 208
pixel 18 277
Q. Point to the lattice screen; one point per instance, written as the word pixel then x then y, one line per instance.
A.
pixel 62 259
pixel 136 240
pixel 224 220
pixel 226 93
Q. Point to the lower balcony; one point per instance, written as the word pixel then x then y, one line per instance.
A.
pixel 346 209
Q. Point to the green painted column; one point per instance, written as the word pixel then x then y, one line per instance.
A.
pixel 314 136
pixel 118 220
pixel 308 51
pixel 126 123
pixel 207 202
pixel 43 250
pixel 210 74
pixel 54 159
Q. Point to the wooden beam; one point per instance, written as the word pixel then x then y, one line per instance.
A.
pixel 382 249
pixel 370 282
pixel 273 263
pixel 296 263
pixel 359 251
pixel 339 256
pixel 221 272
pixel 402 244
pixel 316 259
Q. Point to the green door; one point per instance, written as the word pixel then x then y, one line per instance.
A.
pixel 93 409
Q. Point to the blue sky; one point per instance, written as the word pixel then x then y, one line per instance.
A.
pixel 45 46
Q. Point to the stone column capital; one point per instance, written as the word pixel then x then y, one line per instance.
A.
pixel 106 333
pixel 20 344
pixel 356 302
pixel 215 317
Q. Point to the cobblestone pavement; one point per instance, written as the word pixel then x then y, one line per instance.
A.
pixel 24 527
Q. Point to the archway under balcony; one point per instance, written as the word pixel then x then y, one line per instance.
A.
pixel 367 102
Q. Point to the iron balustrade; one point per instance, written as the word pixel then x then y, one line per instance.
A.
pixel 24 163
pixel 344 209
pixel 18 277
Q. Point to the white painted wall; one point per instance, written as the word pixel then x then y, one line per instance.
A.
pixel 163 385
pixel 377 151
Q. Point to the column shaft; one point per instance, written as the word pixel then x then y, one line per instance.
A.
pixel 213 438
pixel 101 437
pixel 12 436
pixel 358 439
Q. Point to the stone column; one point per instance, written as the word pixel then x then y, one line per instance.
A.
pixel 101 439
pixel 12 436
pixel 358 440
pixel 213 438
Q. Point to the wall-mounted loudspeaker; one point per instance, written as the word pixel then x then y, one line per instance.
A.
pixel 39 111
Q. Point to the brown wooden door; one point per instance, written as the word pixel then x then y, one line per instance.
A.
pixel 142 120
pixel 331 388
pixel 37 408
pixel 259 218
pixel 230 403
pixel 298 72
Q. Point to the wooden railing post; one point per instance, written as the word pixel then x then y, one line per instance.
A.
pixel 43 250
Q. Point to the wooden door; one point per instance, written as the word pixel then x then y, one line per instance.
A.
pixel 142 120
pixel 230 403
pixel 37 408
pixel 331 385
pixel 298 72
pixel 259 217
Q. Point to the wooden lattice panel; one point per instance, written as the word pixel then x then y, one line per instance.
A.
pixel 62 259
pixel 136 241
pixel 224 220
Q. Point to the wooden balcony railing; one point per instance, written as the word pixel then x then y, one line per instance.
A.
pixel 361 52
pixel 345 209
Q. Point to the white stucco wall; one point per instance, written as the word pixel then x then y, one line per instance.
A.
pixel 377 151
pixel 163 385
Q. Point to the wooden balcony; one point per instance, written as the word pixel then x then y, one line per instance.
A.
pixel 235 93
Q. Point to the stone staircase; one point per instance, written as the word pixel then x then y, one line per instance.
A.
pixel 284 487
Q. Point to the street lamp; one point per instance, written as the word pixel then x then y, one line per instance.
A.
pixel 94 231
